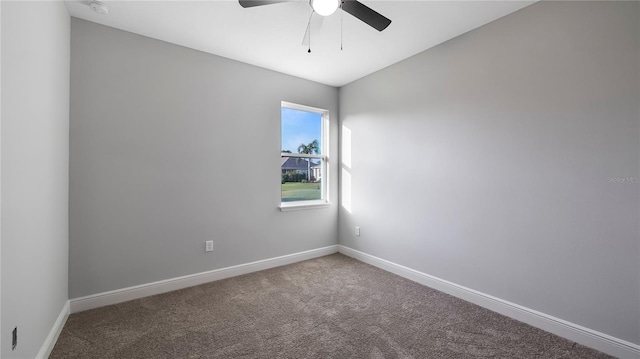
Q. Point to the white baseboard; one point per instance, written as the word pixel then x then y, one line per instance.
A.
pixel 163 286
pixel 50 342
pixel 585 336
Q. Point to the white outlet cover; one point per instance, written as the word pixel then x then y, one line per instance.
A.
pixel 209 246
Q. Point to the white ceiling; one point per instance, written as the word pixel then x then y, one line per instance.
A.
pixel 271 36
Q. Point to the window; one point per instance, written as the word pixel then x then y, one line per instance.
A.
pixel 303 157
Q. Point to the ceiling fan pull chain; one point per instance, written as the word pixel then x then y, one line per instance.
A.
pixel 341 27
pixel 309 28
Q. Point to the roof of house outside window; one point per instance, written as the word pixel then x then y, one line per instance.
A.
pixel 299 164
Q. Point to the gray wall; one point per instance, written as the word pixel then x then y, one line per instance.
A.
pixel 507 160
pixel 171 147
pixel 35 176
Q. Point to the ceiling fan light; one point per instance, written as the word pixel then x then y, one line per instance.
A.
pixel 325 7
pixel 99 8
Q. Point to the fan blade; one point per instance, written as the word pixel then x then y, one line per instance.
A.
pixel 366 14
pixel 252 3
pixel 315 23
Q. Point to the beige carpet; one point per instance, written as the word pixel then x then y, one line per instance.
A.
pixel 329 307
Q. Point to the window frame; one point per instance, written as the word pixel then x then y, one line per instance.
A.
pixel 323 202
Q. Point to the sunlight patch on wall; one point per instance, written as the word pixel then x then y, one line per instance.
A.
pixel 346 190
pixel 346 146
pixel 345 155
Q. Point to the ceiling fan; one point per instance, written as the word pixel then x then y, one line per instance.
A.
pixel 328 7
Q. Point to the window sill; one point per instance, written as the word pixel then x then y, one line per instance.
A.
pixel 301 205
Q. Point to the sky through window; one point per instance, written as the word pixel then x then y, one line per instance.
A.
pixel 300 127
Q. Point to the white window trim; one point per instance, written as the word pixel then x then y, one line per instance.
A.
pixel 301 205
pixel 300 155
pixel 324 202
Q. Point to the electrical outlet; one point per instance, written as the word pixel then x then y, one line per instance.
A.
pixel 209 246
pixel 14 340
pixel 358 231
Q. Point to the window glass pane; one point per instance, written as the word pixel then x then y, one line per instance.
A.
pixel 301 131
pixel 301 179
